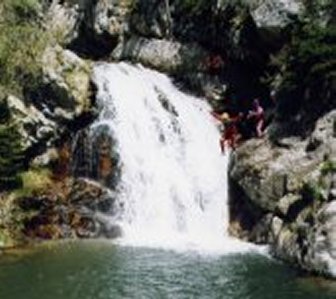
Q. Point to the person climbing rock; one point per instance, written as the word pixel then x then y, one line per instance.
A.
pixel 257 115
pixel 230 135
pixel 223 119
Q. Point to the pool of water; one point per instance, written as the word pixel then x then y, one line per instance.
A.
pixel 99 269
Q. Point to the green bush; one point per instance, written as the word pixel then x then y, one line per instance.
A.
pixel 312 192
pixel 192 5
pixel 328 166
pixel 22 40
pixel 308 69
pixel 11 153
pixel 34 182
pixel 307 65
pixel 18 9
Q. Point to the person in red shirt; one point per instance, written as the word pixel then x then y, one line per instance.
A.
pixel 230 135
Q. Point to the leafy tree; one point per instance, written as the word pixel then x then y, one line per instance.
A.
pixel 11 153
pixel 307 65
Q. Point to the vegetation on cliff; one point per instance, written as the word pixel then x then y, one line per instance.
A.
pixel 22 39
pixel 11 153
pixel 305 70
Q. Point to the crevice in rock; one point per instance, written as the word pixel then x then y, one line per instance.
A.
pixel 90 46
pixel 244 215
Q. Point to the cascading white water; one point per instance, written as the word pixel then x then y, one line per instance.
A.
pixel 173 185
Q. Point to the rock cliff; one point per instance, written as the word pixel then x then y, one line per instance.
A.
pixel 284 195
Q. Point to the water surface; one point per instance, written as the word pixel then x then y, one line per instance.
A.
pixel 86 270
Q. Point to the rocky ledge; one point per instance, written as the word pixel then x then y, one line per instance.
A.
pixel 284 194
pixel 72 208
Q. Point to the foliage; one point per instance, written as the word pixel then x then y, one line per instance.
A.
pixel 11 221
pixel 192 5
pixel 11 153
pixel 307 65
pixel 312 191
pixel 19 9
pixel 328 166
pixel 320 8
pixel 22 40
pixel 34 182
pixel 312 56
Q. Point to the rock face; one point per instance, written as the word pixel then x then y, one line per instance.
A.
pixel 288 191
pixel 164 55
pixel 94 157
pixel 275 13
pixel 62 21
pixel 100 25
pixel 67 81
pixel 62 100
pixel 34 127
pixel 72 208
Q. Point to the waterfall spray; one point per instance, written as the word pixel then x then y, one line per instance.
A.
pixel 172 190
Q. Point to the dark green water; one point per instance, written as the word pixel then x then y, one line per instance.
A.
pixel 100 270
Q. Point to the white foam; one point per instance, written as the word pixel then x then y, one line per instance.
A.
pixel 173 187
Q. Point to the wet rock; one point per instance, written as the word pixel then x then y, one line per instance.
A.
pixel 261 231
pixel 94 156
pixel 72 208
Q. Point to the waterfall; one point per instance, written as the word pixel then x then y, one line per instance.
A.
pixel 172 189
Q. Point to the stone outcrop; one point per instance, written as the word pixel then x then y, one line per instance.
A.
pixel 67 82
pixel 70 209
pixel 100 25
pixel 275 13
pixel 166 56
pixel 62 22
pixel 287 193
pixel 61 102
pixel 34 127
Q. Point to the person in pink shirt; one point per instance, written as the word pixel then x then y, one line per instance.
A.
pixel 257 114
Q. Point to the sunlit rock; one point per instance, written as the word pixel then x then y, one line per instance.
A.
pixel 67 82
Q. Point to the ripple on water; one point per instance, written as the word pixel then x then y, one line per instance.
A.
pixel 88 270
